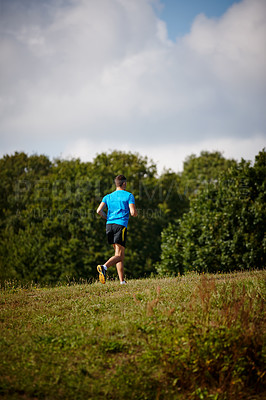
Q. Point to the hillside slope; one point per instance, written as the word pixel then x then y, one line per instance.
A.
pixel 190 337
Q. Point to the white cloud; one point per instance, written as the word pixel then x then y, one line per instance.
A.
pixel 173 155
pixel 86 149
pixel 84 77
pixel 233 46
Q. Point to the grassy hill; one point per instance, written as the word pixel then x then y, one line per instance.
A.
pixel 190 337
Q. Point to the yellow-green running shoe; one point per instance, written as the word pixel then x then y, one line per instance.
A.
pixel 102 273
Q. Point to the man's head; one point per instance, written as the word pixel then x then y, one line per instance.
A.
pixel 120 180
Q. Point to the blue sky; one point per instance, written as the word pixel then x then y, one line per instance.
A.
pixel 179 14
pixel 164 78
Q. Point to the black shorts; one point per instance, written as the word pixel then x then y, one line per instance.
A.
pixel 116 234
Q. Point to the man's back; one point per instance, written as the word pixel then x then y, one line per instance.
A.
pixel 118 207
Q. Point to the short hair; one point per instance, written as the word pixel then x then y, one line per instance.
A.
pixel 119 180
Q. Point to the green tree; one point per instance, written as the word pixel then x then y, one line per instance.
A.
pixel 19 174
pixel 224 228
pixel 202 170
pixel 49 227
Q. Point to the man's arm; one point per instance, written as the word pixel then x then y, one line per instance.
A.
pixel 133 210
pixel 100 210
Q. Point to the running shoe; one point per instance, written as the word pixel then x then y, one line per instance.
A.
pixel 102 273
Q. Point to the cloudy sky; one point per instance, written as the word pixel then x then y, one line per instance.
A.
pixel 164 78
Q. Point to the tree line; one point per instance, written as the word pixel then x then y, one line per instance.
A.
pixel 210 217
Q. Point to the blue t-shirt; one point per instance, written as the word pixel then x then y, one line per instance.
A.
pixel 118 207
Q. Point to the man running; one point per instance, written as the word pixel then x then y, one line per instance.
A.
pixel 120 203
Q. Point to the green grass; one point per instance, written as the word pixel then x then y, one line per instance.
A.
pixel 190 337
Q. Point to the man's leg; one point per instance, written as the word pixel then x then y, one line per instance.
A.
pixel 117 259
pixel 114 259
pixel 120 252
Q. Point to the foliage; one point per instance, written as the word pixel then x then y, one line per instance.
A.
pixel 19 174
pixel 202 170
pixel 188 338
pixel 224 229
pixel 49 229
